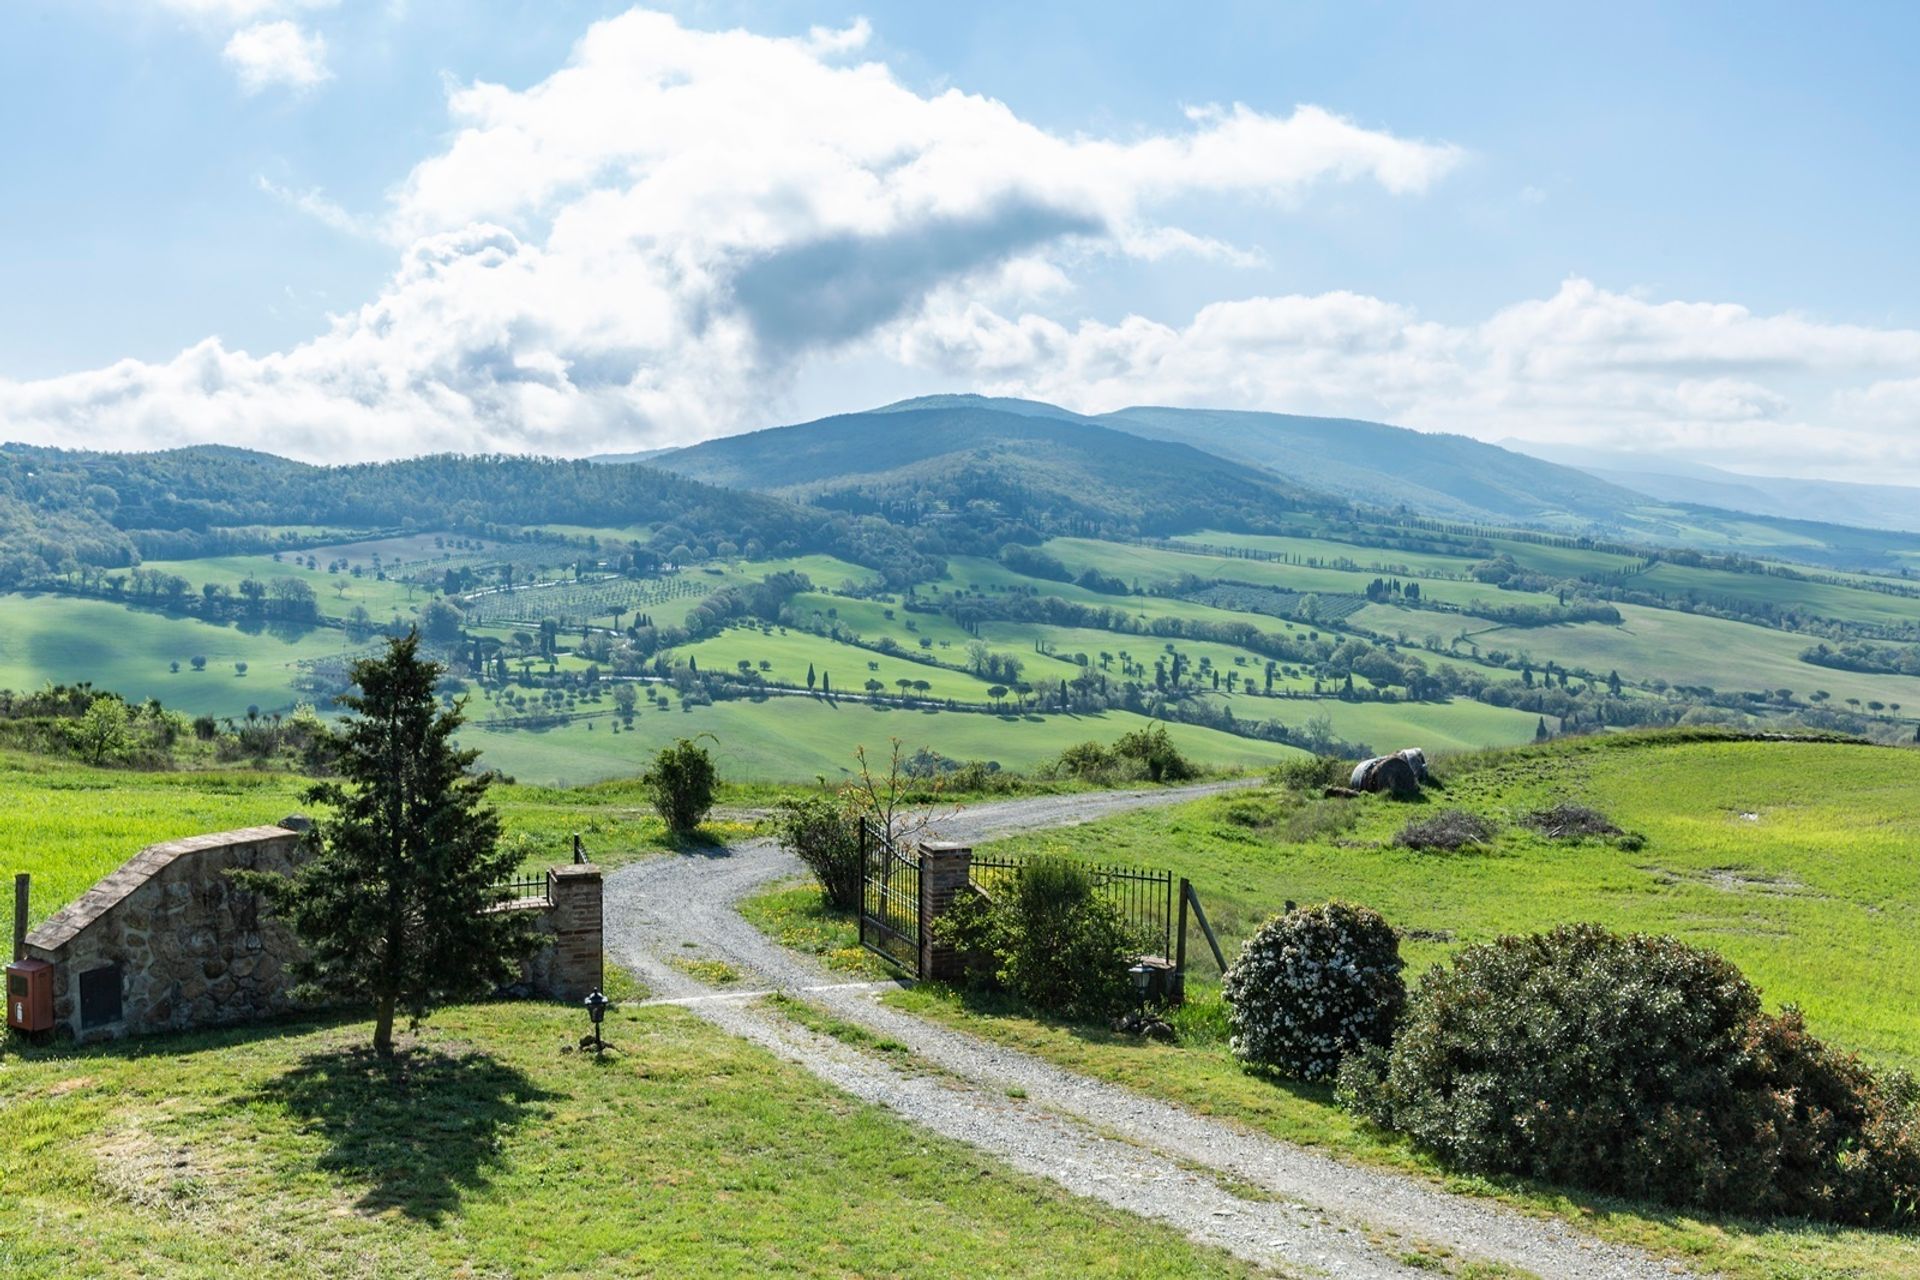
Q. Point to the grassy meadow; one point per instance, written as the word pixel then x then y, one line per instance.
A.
pixel 495 1149
pixel 1791 858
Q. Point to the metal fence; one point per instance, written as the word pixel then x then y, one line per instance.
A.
pixel 1143 898
pixel 520 888
pixel 890 908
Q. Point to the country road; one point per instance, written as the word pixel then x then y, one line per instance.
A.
pixel 1311 1213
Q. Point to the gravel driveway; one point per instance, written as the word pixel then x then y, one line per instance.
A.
pixel 1313 1214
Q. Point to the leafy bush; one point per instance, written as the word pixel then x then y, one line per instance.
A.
pixel 1643 1067
pixel 1143 755
pixel 1448 831
pixel 682 780
pixel 1048 938
pixel 1158 758
pixel 1311 986
pixel 825 835
pixel 1313 773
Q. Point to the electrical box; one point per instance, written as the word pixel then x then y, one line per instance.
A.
pixel 30 995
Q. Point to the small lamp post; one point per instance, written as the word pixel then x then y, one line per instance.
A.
pixel 597 1003
pixel 1141 976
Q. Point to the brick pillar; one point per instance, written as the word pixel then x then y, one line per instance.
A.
pixel 945 870
pixel 577 963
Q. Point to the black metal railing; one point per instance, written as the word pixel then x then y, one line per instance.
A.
pixel 890 919
pixel 521 888
pixel 1143 898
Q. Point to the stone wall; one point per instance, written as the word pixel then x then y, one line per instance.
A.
pixel 170 941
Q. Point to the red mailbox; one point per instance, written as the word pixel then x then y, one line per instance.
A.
pixel 30 995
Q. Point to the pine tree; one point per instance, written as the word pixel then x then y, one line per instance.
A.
pixel 391 904
pixel 1540 733
pixel 810 677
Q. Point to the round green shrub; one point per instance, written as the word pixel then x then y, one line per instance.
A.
pixel 1045 935
pixel 1638 1066
pixel 1313 985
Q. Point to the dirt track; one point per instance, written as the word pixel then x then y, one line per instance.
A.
pixel 1160 1161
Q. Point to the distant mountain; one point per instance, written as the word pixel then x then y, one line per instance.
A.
pixel 1873 506
pixel 1436 475
pixel 1034 463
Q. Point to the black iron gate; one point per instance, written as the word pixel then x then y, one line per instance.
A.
pixel 890 920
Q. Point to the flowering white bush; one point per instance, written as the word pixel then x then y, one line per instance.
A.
pixel 1311 986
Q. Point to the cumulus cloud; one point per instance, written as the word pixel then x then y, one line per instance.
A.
pixel 651 243
pixel 1714 381
pixel 654 243
pixel 267 54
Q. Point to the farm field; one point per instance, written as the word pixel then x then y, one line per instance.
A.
pixel 334 594
pixel 60 639
pixel 1693 649
pixel 786 739
pixel 286 1150
pixel 1153 564
pixel 790 653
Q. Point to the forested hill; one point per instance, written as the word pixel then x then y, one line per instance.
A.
pixel 111 509
pixel 1051 470
pixel 1433 474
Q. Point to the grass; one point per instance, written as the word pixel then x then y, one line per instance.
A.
pixel 60 639
pixel 68 825
pixel 494 1148
pixel 848 667
pixel 1790 858
pixel 1200 1074
pixel 781 738
pixel 798 918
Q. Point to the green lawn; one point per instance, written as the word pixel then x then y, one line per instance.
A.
pixel 496 1150
pixel 1793 859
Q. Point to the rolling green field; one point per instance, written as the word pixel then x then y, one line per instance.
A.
pixel 790 653
pixel 1793 859
pixel 286 1150
pixel 785 739
pixel 48 638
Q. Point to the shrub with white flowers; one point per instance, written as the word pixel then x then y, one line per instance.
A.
pixel 1313 985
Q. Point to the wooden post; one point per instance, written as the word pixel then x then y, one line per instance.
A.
pixel 22 891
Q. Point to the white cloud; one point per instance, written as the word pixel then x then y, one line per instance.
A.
pixel 277 53
pixel 1585 365
pixel 827 40
pixel 651 243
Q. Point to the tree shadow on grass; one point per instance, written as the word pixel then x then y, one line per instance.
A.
pixel 421 1130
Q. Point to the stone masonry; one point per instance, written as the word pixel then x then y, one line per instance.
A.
pixel 946 870
pixel 170 941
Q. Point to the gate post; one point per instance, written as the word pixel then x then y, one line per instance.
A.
pixel 945 871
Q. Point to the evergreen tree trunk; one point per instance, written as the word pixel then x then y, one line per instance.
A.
pixel 383 1026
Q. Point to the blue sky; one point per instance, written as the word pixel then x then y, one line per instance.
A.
pixel 1678 229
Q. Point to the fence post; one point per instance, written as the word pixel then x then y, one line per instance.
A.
pixel 578 959
pixel 1180 948
pixel 945 871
